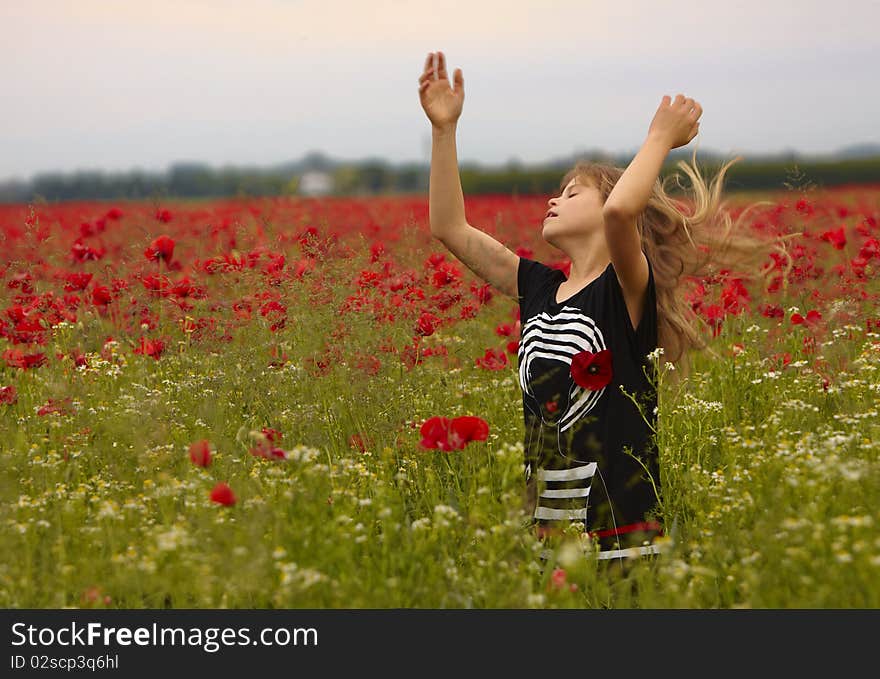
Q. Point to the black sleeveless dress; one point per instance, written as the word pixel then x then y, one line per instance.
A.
pixel 578 422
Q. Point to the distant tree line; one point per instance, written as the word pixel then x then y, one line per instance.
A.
pixel 191 180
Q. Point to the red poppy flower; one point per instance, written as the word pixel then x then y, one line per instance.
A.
pixel 200 453
pixel 152 348
pixel 8 395
pixel 812 317
pixel 16 358
pixel 592 371
pixel 77 281
pixel 435 432
pixel 101 295
pixel 359 442
pixel 837 237
pixel 427 324
pixel 494 359
pixel 445 434
pixel 715 317
pixel 463 430
pixel 222 494
pixel 271 434
pixel 161 248
pixel 61 407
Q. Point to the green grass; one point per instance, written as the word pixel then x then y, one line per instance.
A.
pixel 773 481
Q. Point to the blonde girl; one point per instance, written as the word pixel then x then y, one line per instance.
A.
pixel 589 390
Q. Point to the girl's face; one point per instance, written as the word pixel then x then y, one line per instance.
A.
pixel 576 212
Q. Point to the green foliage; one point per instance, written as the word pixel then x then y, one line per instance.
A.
pixel 771 479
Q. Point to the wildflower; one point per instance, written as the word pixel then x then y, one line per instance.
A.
pixel 200 453
pixel 162 248
pixel 16 358
pixel 357 441
pixel 8 395
pixel 427 324
pixel 152 348
pixel 94 596
pixel 558 580
pixel 222 494
pixel 455 434
pixel 837 238
pixel 492 360
pixel 101 295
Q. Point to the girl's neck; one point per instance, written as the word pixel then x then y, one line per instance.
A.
pixel 588 262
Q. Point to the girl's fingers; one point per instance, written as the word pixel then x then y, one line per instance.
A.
pixel 428 60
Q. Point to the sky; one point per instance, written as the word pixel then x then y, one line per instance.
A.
pixel 117 86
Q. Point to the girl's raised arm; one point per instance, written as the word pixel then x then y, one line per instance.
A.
pixel 674 125
pixel 482 254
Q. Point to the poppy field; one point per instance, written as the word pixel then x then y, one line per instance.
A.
pixel 310 403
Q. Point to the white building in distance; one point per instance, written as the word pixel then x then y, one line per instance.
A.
pixel 314 183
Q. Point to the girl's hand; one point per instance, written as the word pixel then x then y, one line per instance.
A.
pixel 676 122
pixel 442 104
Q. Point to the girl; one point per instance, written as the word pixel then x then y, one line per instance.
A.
pixel 589 393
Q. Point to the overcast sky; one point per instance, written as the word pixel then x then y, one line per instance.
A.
pixel 114 85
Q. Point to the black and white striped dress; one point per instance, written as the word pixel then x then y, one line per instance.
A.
pixel 575 437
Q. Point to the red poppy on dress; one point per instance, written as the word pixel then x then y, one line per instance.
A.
pixel 200 453
pixel 162 248
pixel 222 494
pixel 592 370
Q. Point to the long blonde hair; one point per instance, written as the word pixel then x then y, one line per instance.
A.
pixel 680 245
